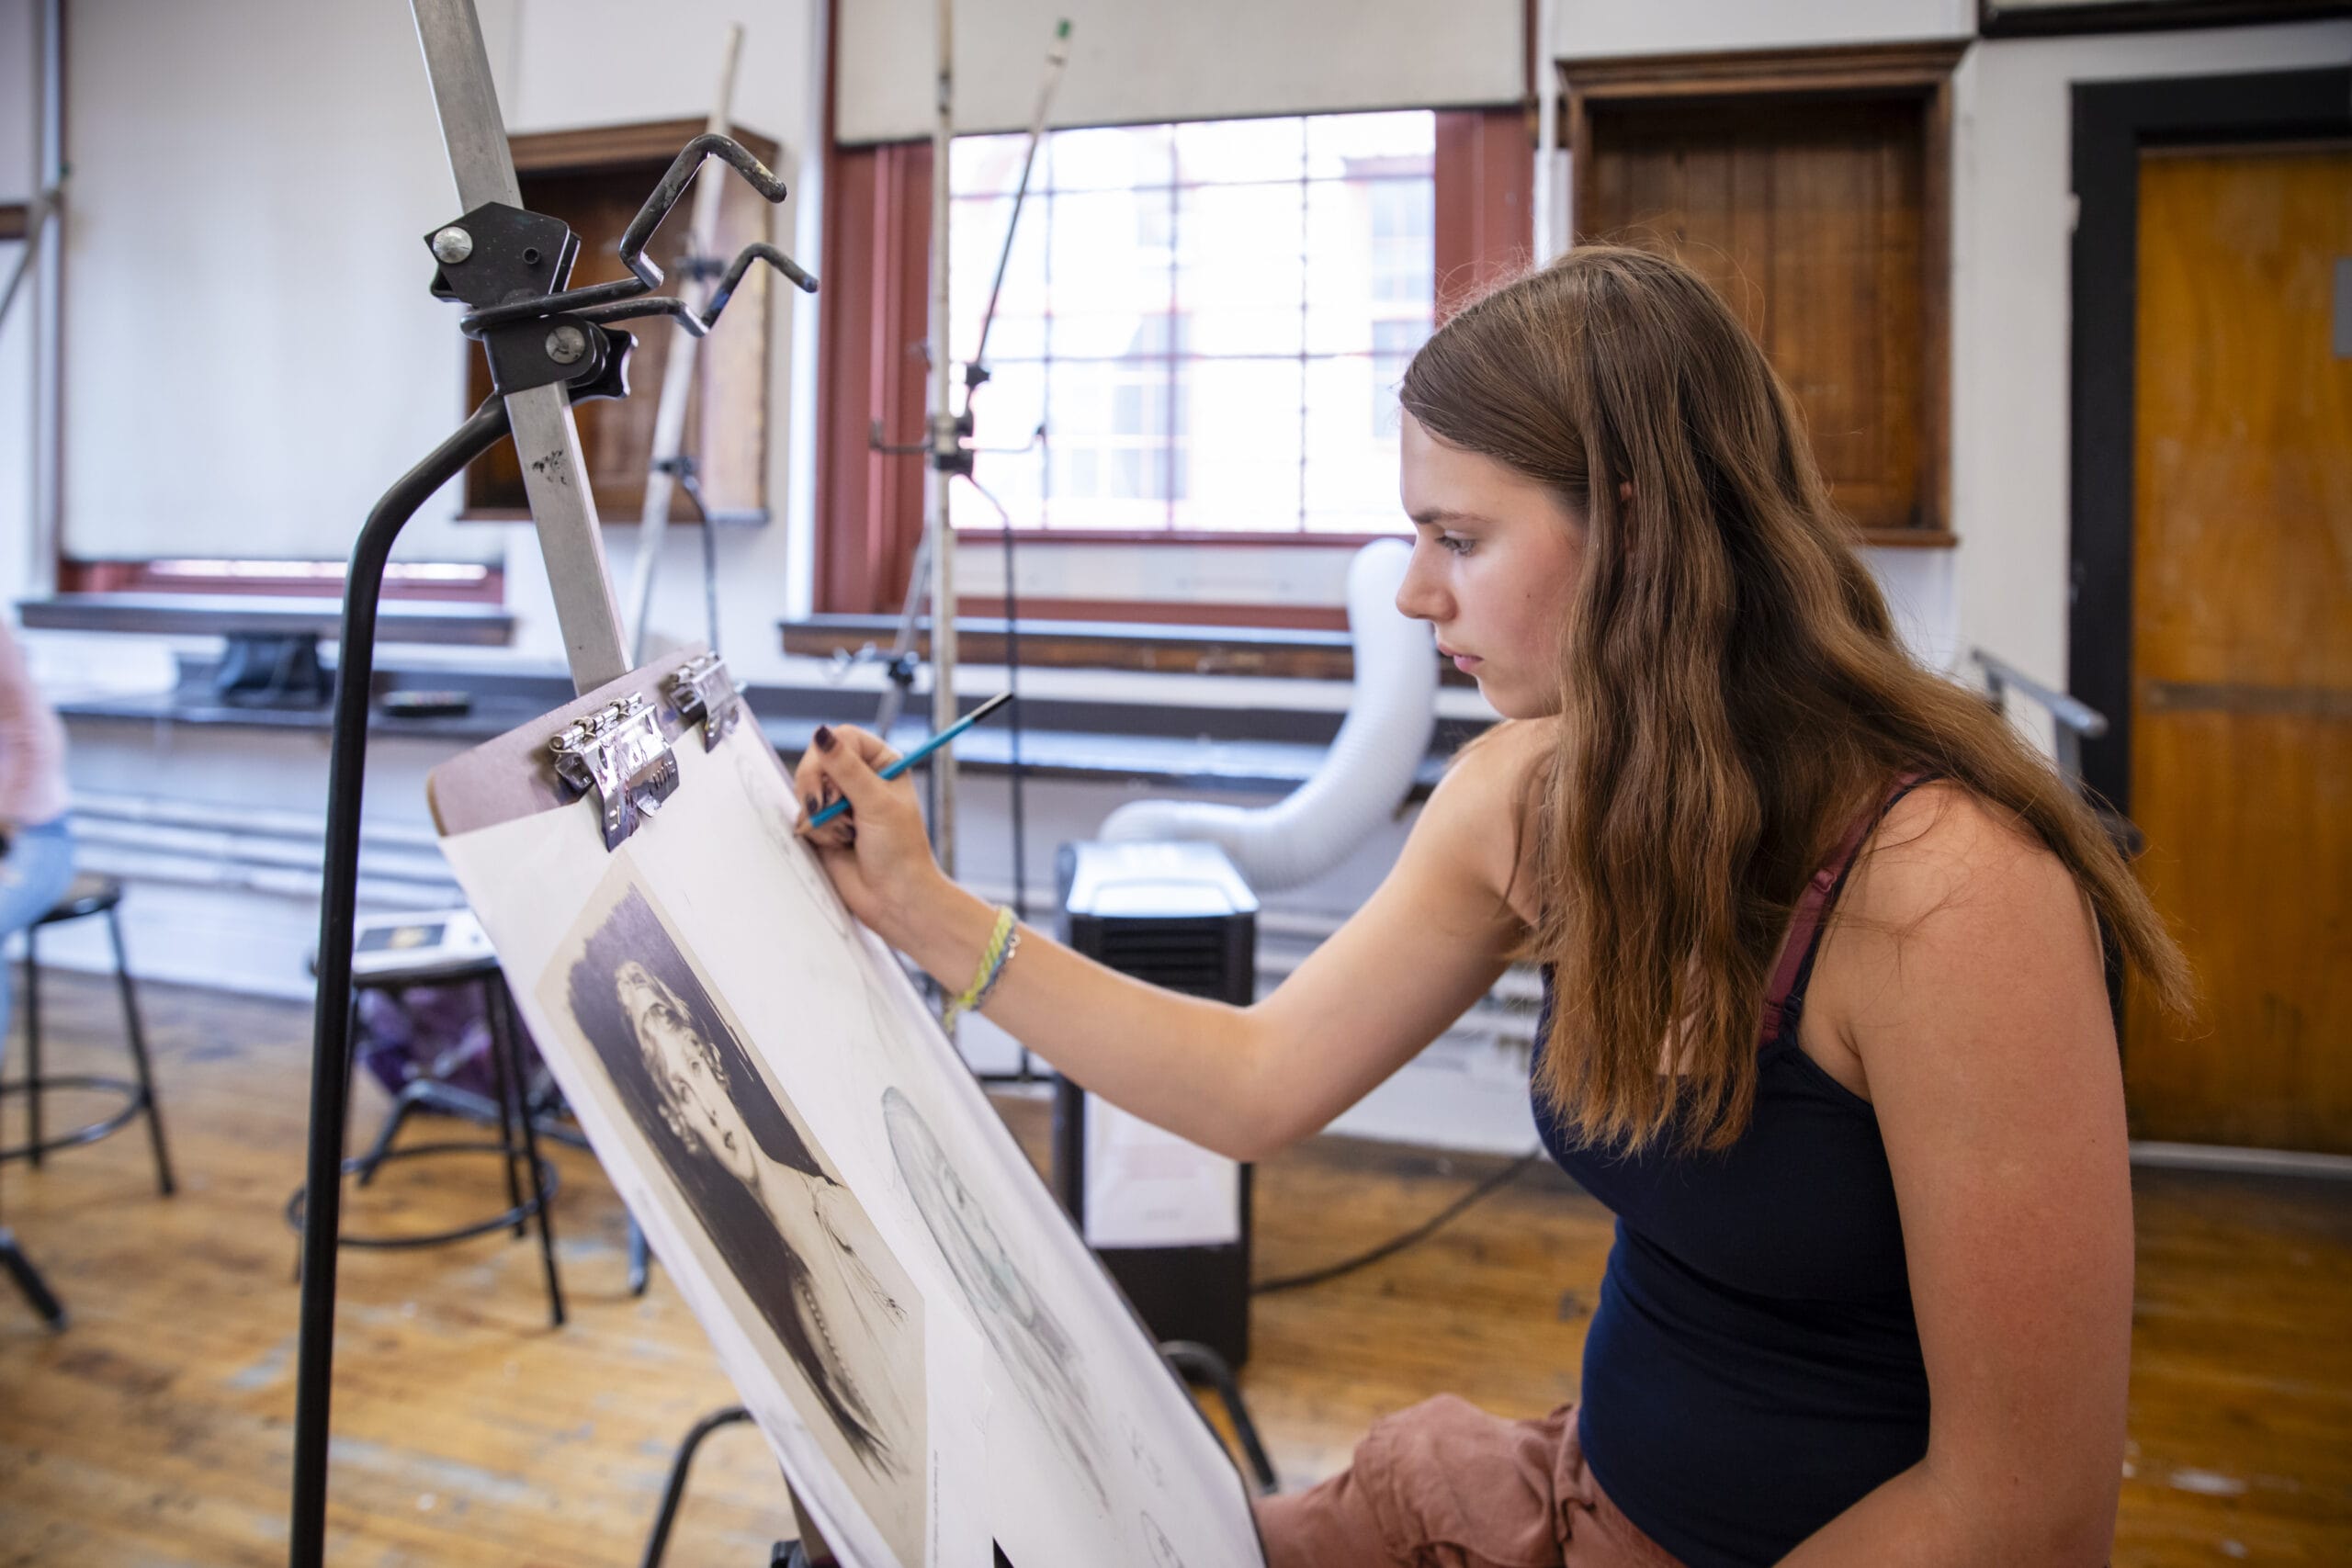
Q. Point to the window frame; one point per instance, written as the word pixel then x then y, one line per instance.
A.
pixel 872 315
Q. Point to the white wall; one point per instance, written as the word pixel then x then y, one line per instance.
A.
pixel 277 405
pixel 251 354
pixel 1588 29
pixel 1202 60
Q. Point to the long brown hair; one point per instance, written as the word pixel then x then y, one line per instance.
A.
pixel 1734 691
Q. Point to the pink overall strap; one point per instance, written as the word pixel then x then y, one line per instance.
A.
pixel 1813 905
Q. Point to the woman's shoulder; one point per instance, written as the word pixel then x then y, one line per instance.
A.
pixel 1485 805
pixel 1941 842
pixel 1948 875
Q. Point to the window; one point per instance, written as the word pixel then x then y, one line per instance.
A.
pixel 1191 320
pixel 1209 320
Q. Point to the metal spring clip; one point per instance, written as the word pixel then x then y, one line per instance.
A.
pixel 618 752
pixel 702 689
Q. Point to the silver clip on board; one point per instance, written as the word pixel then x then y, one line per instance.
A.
pixel 617 753
pixel 703 690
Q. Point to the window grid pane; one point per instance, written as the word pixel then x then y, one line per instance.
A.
pixel 1199 316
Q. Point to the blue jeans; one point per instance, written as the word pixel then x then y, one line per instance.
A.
pixel 34 875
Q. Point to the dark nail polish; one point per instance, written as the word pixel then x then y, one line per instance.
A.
pixel 814 805
pixel 849 837
pixel 824 738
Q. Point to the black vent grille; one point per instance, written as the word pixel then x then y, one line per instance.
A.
pixel 1182 954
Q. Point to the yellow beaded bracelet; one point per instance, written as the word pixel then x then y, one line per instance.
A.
pixel 1001 938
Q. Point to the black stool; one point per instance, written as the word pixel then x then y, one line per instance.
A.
pixel 18 1268
pixel 87 895
pixel 517 1140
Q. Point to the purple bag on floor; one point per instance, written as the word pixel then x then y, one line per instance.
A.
pixel 441 1033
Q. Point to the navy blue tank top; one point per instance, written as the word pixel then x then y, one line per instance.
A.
pixel 1753 1368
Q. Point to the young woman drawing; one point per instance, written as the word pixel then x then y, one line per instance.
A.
pixel 1822 942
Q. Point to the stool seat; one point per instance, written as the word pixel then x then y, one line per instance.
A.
pixel 87 894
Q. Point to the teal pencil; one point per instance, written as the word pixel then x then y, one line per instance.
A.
pixel 920 752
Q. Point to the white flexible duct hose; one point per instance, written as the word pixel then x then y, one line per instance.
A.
pixel 1372 762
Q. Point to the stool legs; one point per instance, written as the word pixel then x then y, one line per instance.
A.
pixel 674 1492
pixel 138 1038
pixel 503 1041
pixel 27 1278
pixel 32 1050
pixel 505 1077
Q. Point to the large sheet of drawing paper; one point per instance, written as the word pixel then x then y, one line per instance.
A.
pixel 937 1361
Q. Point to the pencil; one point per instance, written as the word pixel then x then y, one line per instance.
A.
pixel 920 752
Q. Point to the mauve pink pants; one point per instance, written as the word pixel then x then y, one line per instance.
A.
pixel 1446 1486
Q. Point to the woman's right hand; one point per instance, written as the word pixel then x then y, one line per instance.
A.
pixel 878 854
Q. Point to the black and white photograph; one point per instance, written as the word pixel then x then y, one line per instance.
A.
pixel 843 1327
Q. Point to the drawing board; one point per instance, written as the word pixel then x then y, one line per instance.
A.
pixel 937 1361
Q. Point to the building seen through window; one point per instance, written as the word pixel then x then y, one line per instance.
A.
pixel 1198 316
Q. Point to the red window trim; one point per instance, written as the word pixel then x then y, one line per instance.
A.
pixel 871 362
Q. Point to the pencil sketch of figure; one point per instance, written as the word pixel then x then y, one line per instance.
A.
pixel 1155 1539
pixel 1036 1349
pixel 770 789
pixel 799 1242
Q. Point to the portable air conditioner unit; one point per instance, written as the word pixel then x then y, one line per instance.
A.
pixel 1169 1219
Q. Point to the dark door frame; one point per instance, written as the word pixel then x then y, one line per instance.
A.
pixel 2112 121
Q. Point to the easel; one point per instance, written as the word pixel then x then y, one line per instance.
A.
pixel 671 467
pixel 546 346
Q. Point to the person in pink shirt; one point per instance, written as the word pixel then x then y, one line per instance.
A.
pixel 39 862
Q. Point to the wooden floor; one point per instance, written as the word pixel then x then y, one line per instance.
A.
pixel 156 1429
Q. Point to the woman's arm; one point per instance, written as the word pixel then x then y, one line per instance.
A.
pixel 1966 975
pixel 1244 1081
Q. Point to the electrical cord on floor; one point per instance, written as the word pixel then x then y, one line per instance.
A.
pixel 1396 1244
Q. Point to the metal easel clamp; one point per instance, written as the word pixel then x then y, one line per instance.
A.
pixel 619 753
pixel 702 690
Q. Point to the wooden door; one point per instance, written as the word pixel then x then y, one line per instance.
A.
pixel 2241 631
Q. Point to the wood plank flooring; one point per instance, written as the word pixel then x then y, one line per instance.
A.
pixel 156 1431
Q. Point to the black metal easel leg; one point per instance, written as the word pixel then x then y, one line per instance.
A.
pixel 331 1018
pixel 32 1050
pixel 138 1039
pixel 28 1278
pixel 674 1492
pixel 1197 1362
pixel 506 1041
